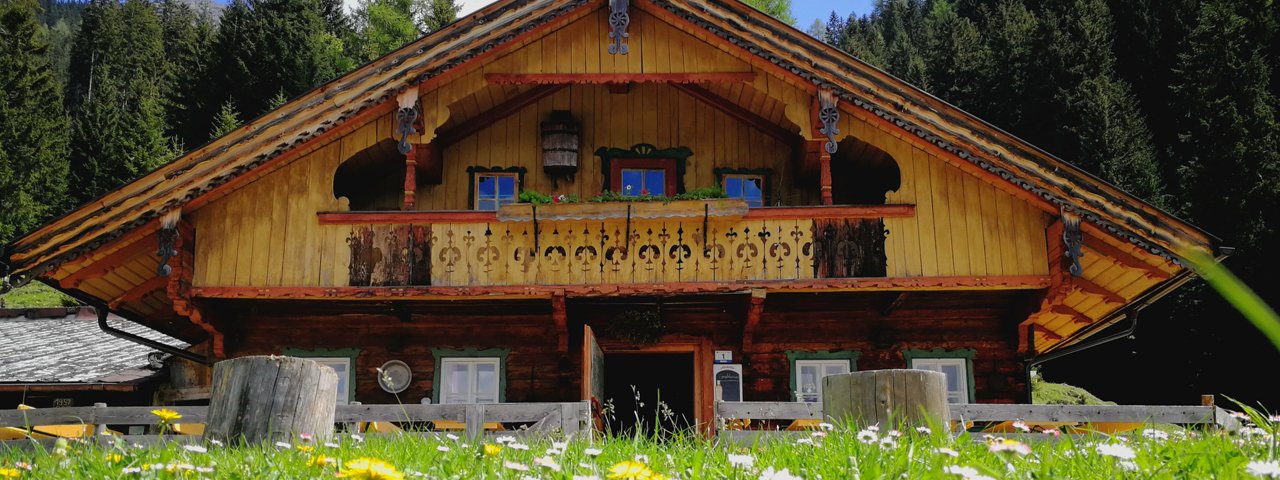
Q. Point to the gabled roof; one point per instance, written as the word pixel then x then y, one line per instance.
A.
pixel 202 174
pixel 65 345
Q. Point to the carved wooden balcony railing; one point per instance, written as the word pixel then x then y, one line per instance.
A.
pixel 602 246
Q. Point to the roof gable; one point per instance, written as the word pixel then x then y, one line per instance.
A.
pixel 804 62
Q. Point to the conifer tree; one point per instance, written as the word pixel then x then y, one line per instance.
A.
pixel 779 9
pixel 228 119
pixel 187 36
pixel 383 26
pixel 432 15
pixel 33 125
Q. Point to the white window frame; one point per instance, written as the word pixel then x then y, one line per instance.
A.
pixel 821 365
pixel 936 364
pixel 344 388
pixel 472 383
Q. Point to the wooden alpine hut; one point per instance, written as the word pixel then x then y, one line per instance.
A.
pixel 396 220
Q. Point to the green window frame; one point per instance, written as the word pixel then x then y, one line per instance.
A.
pixel 793 356
pixel 442 353
pixel 349 353
pixel 910 355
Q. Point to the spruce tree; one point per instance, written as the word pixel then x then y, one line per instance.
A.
pixel 383 26
pixel 954 54
pixel 779 9
pixel 228 119
pixel 433 15
pixel 33 125
pixel 187 36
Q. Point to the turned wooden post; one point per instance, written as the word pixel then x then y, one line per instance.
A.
pixel 886 397
pixel 260 399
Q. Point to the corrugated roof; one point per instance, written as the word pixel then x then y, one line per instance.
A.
pixel 36 347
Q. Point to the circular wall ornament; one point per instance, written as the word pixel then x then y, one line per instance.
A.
pixel 394 376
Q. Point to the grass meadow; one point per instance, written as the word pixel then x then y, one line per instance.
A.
pixel 826 453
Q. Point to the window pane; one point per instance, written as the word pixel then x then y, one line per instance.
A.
pixel 632 182
pixel 506 187
pixel 808 382
pixel 457 383
pixel 753 192
pixel 485 186
pixel 655 181
pixel 733 186
pixel 486 383
pixel 836 369
pixel 487 205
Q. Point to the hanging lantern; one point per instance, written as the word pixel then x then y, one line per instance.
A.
pixel 561 139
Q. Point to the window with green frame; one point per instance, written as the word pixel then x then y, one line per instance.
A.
pixel 809 368
pixel 957 365
pixel 469 375
pixel 342 361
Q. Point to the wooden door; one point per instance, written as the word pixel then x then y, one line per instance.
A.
pixel 593 376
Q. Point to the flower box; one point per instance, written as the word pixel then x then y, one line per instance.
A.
pixel 720 208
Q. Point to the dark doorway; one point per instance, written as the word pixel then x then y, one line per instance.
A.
pixel 648 389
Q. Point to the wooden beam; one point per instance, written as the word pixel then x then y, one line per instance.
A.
pixel 615 78
pixel 101 267
pixel 500 111
pixel 1087 286
pixel 138 291
pixel 894 302
pixel 1124 257
pixel 399 217
pixel 561 318
pixel 1048 334
pixel 1076 315
pixel 755 308
pixel 739 113
pixel 1016 282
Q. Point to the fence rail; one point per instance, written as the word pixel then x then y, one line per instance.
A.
pixel 543 418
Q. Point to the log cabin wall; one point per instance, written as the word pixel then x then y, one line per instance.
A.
pixel 266 234
pixel 537 371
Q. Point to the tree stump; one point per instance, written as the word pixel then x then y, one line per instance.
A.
pixel 267 398
pixel 886 397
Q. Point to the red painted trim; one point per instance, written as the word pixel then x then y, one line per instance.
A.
pixel 739 113
pixel 1026 282
pixel 399 217
pixel 608 78
pixel 832 211
pixel 507 108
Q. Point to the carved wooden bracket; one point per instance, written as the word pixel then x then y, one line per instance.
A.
pixel 829 116
pixel 167 238
pixel 406 118
pixel 619 20
pixel 1072 241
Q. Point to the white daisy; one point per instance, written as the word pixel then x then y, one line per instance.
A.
pixel 948 452
pixel 744 461
pixel 284 445
pixel 519 467
pixel 593 451
pixel 442 448
pixel 771 474
pixel 867 436
pixel 195 448
pixel 505 439
pixel 1260 468
pixel 923 430
pixel 547 462
pixel 1114 450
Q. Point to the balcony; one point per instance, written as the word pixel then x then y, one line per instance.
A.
pixel 687 242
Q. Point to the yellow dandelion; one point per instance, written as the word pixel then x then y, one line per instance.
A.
pixel 631 470
pixel 7 472
pixel 305 448
pixel 114 457
pixel 370 469
pixel 491 449
pixel 166 415
pixel 319 461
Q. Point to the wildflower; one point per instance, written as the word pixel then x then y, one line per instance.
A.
pixel 804 441
pixel 1021 426
pixel 518 446
pixel 519 467
pixel 305 448
pixel 744 461
pixel 306 437
pixel 824 426
pixel 631 470
pixel 1005 445
pixel 451 436
pixel 1274 418
pixel 547 462
pixel 114 457
pixel 6 472
pixel 818 434
pixel 357 437
pixel 894 433
pixel 642 458
pixel 924 430
pixel 555 451
pixel 331 445
pixel 967 473
pixel 204 469
pixel 370 469
pixel 215 442
pixel 1052 432
pixel 888 442
pixel 644 191
pixel 194 448
pixel 284 445
pixel 1128 466
pixel 867 436
pixel 771 474
pixel 166 415
pixel 585 477
pixel 874 428
pixel 1154 434
pixel 442 448
pixel 1259 468
pixel 491 449
pixel 1239 415
pixel 948 452
pixel 130 470
pixel 505 439
pixel 593 451
pixel 320 461
pixel 1114 450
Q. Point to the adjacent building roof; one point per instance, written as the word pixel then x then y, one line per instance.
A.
pixel 65 345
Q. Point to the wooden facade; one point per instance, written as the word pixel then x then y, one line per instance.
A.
pixel 888 222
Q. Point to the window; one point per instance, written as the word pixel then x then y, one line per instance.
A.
pixel 809 375
pixel 957 365
pixel 809 368
pixel 494 190
pixel 342 361
pixel 470 380
pixel 643 181
pixel 749 188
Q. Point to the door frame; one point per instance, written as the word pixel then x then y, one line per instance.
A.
pixel 703 384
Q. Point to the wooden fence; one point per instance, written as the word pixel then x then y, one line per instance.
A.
pixel 792 419
pixel 572 418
